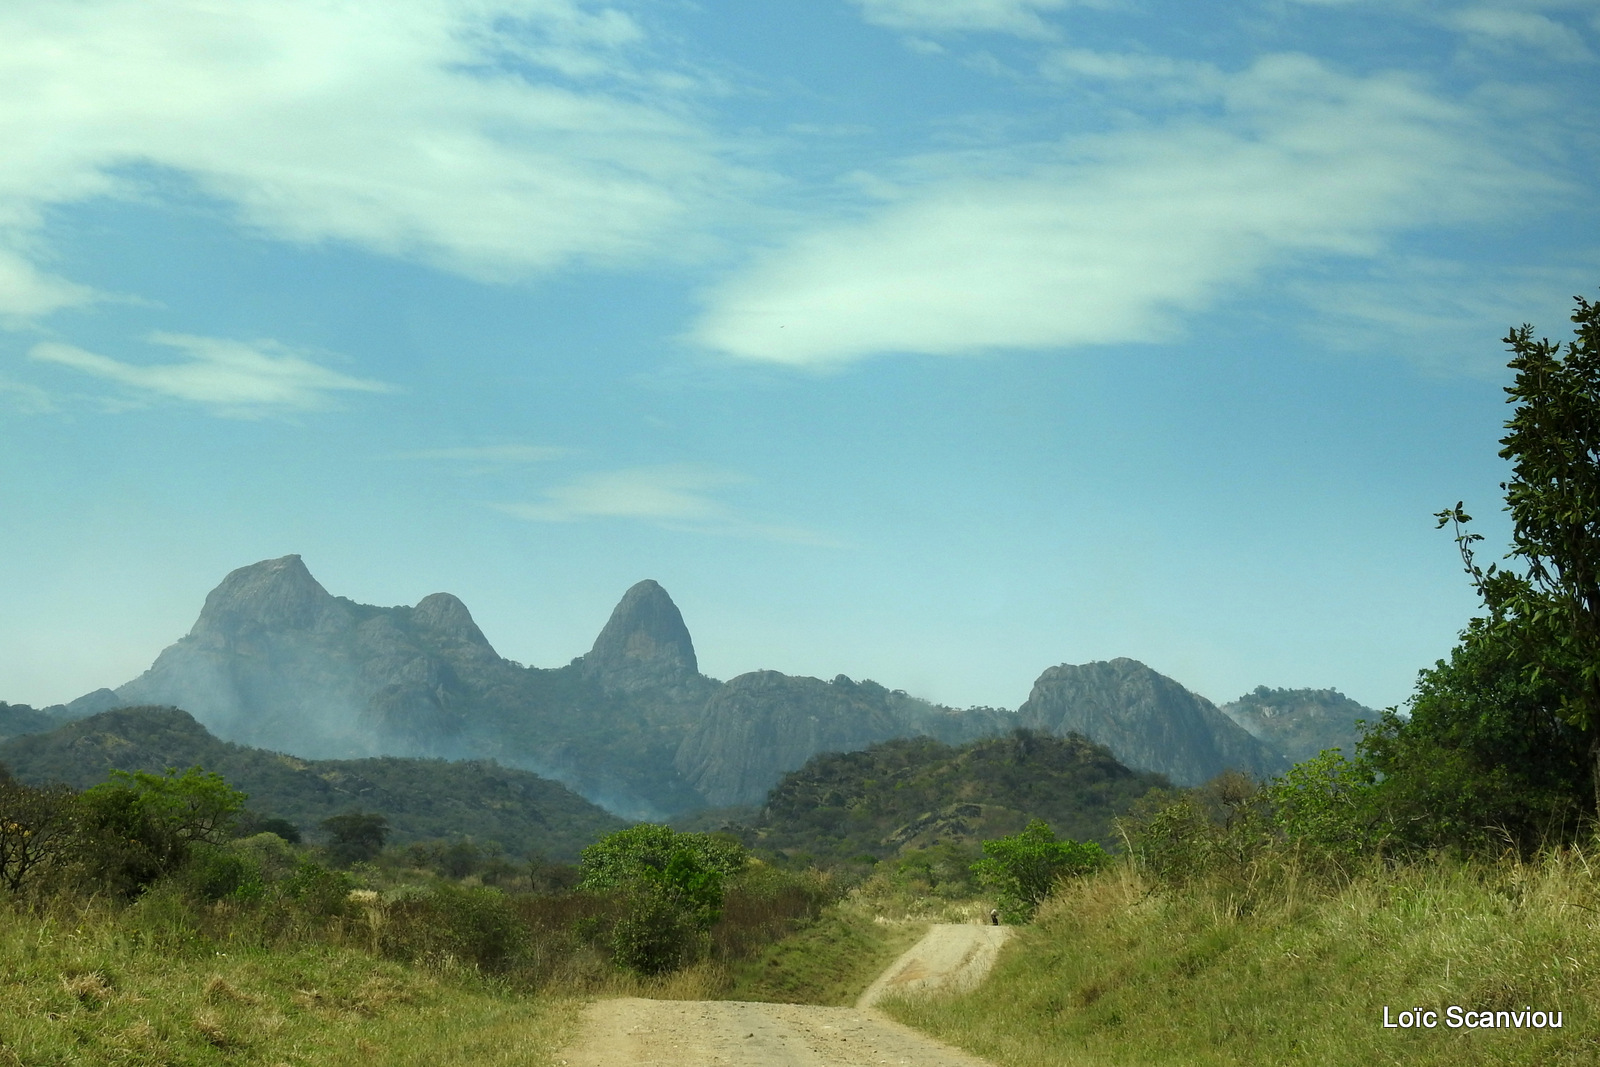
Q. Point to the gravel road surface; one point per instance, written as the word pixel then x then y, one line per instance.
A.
pixel 632 1032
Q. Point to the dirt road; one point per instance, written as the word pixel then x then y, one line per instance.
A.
pixel 632 1032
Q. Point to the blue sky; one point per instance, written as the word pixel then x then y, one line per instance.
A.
pixel 933 341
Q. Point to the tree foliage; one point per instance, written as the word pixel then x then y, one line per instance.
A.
pixel 1022 869
pixel 672 884
pixel 355 836
pixel 38 830
pixel 142 826
pixel 1503 739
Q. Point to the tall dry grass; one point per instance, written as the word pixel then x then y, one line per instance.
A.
pixel 1283 964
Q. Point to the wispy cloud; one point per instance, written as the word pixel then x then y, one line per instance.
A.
pixel 491 455
pixel 1121 237
pixel 1444 316
pixel 26 398
pixel 1019 17
pixel 677 496
pixel 234 378
pixel 28 292
pixel 492 138
pixel 1510 29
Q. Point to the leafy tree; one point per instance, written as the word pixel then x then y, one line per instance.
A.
pixel 1538 649
pixel 1485 758
pixel 355 836
pixel 139 827
pixel 1324 806
pixel 648 848
pixel 672 886
pixel 1023 868
pixel 1554 500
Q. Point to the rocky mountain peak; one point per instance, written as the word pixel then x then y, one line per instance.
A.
pixel 1150 721
pixel 444 615
pixel 273 595
pixel 645 644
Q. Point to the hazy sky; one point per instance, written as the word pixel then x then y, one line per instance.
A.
pixel 932 341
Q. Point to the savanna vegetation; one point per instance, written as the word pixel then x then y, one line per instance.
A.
pixel 138 928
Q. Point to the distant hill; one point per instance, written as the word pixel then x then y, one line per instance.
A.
pixel 18 719
pixel 422 799
pixel 917 792
pixel 275 661
pixel 1300 722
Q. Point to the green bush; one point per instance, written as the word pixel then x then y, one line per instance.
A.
pixel 214 874
pixel 317 890
pixel 138 828
pixel 1022 869
pixel 655 933
pixel 670 886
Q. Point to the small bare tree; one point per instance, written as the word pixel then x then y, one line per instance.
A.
pixel 37 831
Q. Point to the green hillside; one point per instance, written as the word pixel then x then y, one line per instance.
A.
pixel 916 793
pixel 422 799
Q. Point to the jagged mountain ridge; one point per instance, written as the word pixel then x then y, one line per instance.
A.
pixel 276 661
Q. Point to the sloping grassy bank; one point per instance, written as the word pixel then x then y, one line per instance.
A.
pixel 1278 968
pixel 84 983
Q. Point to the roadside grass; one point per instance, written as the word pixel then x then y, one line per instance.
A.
pixel 1283 968
pixel 834 959
pixel 85 983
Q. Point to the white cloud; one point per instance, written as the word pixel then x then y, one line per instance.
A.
pixel 231 377
pixel 677 496
pixel 27 292
pixel 672 492
pixel 1509 28
pixel 1019 17
pixel 489 137
pixel 1118 238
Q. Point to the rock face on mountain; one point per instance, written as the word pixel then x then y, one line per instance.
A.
pixel 761 724
pixel 275 660
pixel 1150 721
pixel 644 645
pixel 1300 722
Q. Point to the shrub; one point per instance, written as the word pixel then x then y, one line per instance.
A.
pixel 214 874
pixel 671 888
pixel 1023 868
pixel 319 891
pixel 140 827
pixel 477 926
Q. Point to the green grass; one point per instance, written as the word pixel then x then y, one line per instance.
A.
pixel 1286 971
pixel 831 961
pixel 92 985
